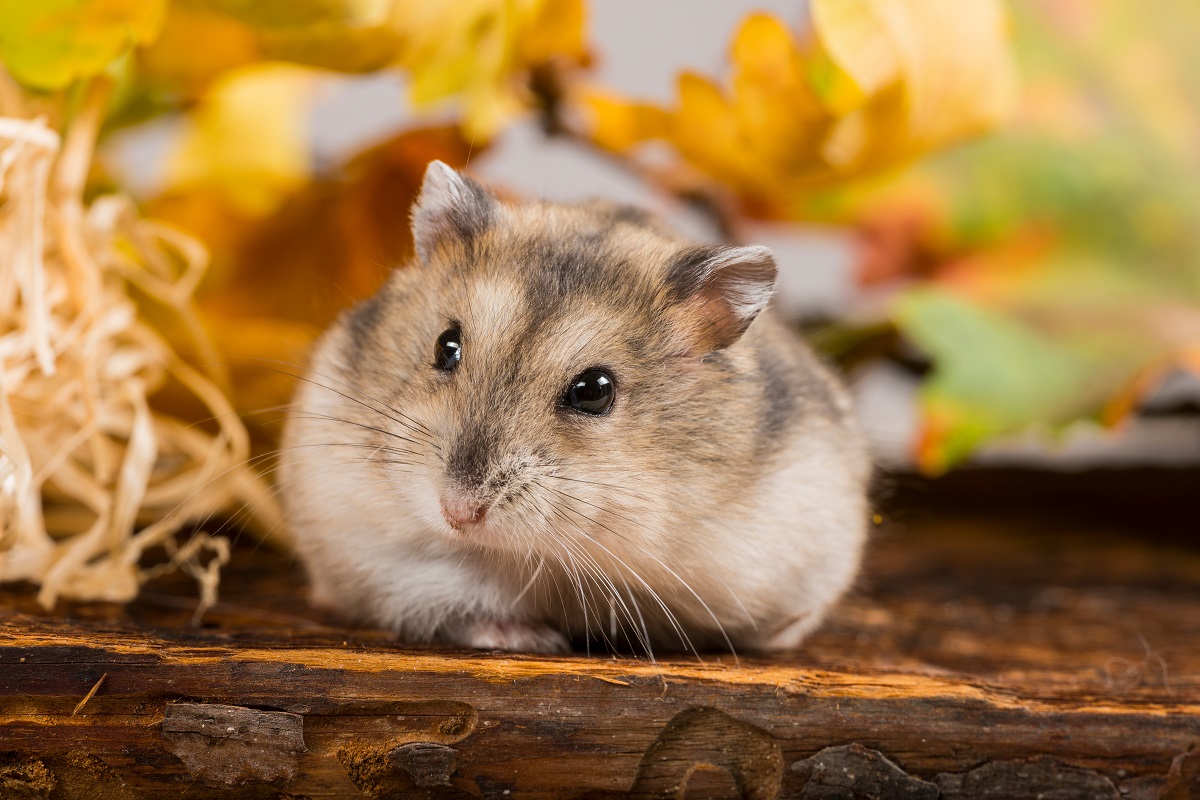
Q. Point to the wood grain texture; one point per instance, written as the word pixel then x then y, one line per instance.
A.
pixel 977 656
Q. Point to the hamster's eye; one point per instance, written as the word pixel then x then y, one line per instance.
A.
pixel 448 350
pixel 591 392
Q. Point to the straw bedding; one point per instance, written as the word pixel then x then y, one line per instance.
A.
pixel 100 487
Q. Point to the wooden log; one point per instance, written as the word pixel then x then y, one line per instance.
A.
pixel 977 659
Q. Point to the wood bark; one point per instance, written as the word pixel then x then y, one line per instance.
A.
pixel 978 658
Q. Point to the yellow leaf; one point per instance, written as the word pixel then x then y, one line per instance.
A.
pixel 481 50
pixel 333 46
pixel 248 138
pixel 857 59
pixel 777 110
pixel 48 44
pixel 909 76
pixel 878 83
pixel 346 35
pixel 555 30
pixel 349 42
pixel 617 124
pixel 228 44
pixel 292 14
pixel 706 131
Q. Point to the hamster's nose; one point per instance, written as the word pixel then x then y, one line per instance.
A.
pixel 462 514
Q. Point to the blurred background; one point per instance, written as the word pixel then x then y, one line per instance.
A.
pixel 986 212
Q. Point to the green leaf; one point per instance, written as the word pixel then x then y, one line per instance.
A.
pixel 994 375
pixel 48 44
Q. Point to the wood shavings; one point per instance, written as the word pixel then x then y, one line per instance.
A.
pixel 92 474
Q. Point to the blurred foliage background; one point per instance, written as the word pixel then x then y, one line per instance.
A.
pixel 1019 176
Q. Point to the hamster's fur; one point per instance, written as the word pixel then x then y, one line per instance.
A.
pixel 720 502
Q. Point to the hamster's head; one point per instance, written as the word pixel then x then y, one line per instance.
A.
pixel 550 378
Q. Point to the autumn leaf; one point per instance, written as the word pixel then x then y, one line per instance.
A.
pixel 904 79
pixel 47 44
pixel 358 48
pixel 291 14
pixel 335 35
pixel 618 123
pixel 336 239
pixel 175 58
pixel 877 84
pixel 477 53
pixel 482 50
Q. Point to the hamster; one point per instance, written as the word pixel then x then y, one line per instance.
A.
pixel 563 422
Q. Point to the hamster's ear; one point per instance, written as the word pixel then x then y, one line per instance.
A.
pixel 721 290
pixel 451 206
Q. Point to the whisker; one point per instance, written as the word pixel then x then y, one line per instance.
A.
pixel 365 426
pixel 684 639
pixel 615 594
pixel 529 583
pixel 354 389
pixel 644 635
pixel 602 484
pixel 601 580
pixel 331 418
pixel 683 583
pixel 599 508
pixel 574 573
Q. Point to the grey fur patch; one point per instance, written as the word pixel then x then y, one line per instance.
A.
pixel 686 276
pixel 474 213
pixel 631 215
pixel 451 207
pixel 778 400
pixel 363 319
pixel 578 266
pixel 470 458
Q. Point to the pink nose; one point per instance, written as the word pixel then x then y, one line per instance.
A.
pixel 460 514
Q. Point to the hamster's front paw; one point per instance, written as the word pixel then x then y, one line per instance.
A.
pixel 528 637
pixel 789 635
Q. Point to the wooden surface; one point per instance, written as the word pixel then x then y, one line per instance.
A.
pixel 1003 653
